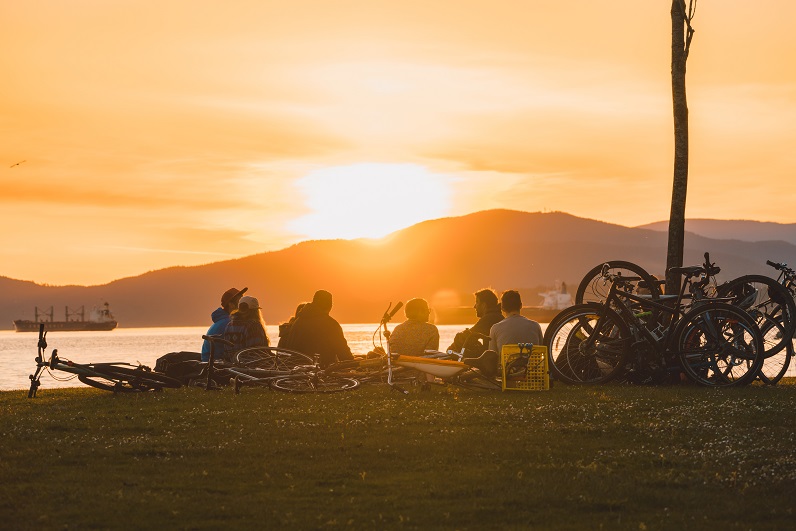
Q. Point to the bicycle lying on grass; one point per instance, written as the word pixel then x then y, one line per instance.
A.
pixel 118 377
pixel 279 369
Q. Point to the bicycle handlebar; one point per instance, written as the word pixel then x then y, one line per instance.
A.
pixel 219 339
pixel 780 266
pixel 390 314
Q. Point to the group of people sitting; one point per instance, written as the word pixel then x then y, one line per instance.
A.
pixel 313 331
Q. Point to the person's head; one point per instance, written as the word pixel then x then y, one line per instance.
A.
pixel 485 300
pixel 299 308
pixel 322 300
pixel 417 309
pixel 510 301
pixel 230 298
pixel 248 304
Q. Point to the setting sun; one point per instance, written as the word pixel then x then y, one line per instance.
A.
pixel 140 137
pixel 369 200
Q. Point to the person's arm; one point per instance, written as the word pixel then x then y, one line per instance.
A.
pixel 493 339
pixel 343 351
pixel 433 340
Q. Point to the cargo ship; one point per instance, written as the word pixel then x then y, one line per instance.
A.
pixel 75 320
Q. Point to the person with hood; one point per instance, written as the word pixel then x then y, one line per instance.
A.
pixel 220 316
pixel 315 332
pixel 246 328
pixel 284 328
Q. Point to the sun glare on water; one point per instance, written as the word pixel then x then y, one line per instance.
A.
pixel 370 200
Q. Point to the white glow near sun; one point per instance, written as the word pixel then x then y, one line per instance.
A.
pixel 370 200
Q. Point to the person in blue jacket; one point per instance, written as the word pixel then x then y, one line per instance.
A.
pixel 221 316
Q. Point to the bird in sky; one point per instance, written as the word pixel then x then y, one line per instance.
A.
pixel 17 164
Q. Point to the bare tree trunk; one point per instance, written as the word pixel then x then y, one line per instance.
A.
pixel 681 40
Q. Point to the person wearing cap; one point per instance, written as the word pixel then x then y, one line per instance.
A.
pixel 315 332
pixel 415 335
pixel 221 316
pixel 246 328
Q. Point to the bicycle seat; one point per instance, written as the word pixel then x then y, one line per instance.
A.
pixel 688 271
pixel 486 363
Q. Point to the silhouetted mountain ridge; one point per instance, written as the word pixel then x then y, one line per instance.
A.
pixel 443 259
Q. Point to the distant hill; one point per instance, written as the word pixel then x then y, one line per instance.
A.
pixel 744 230
pixel 443 260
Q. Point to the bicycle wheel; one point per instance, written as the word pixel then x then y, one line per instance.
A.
pixel 594 287
pixel 776 365
pixel 121 378
pixel 314 383
pixel 272 358
pixel 767 301
pixel 719 345
pixel 587 344
pixel 142 375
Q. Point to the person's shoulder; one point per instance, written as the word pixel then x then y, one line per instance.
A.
pixel 429 327
pixel 219 314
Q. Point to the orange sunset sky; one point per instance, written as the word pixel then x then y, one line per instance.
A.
pixel 138 135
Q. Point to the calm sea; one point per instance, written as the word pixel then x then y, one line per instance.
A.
pixel 135 345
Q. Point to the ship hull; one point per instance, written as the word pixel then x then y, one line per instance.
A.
pixel 64 326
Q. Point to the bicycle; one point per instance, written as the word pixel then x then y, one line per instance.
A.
pixel 644 339
pixel 776 365
pixel 118 377
pixel 770 303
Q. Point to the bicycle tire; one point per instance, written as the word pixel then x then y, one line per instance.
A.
pixel 594 288
pixel 587 344
pixel 119 383
pixel 775 366
pixel 271 358
pixel 136 377
pixel 107 383
pixel 772 301
pixel 310 383
pixel 719 345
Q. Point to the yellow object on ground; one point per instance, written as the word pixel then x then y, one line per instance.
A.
pixel 532 375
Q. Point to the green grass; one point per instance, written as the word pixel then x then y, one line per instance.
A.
pixel 571 458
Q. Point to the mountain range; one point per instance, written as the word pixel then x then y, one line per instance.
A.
pixel 443 260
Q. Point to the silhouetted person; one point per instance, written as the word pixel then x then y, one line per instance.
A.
pixel 416 334
pixel 315 332
pixel 515 328
pixel 246 328
pixel 284 328
pixel 220 316
pixel 488 311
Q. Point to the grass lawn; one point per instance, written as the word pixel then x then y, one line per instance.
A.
pixel 571 458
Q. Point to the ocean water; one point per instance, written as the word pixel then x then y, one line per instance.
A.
pixel 136 345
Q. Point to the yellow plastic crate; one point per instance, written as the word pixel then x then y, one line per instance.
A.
pixel 536 376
